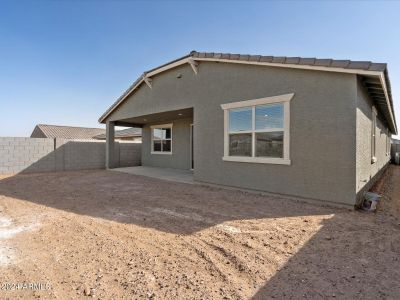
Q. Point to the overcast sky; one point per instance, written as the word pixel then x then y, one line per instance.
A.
pixel 65 62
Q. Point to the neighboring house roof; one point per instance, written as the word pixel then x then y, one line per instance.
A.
pixel 394 141
pixel 125 133
pixel 376 74
pixel 66 132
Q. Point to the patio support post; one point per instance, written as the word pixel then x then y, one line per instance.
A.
pixel 110 145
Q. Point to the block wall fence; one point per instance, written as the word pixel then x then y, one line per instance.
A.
pixel 28 155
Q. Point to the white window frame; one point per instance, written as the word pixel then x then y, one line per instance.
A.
pixel 152 138
pixel 281 99
pixel 373 136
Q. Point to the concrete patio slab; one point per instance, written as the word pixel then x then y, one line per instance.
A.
pixel 177 175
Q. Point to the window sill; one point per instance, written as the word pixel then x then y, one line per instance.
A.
pixel 164 153
pixel 257 160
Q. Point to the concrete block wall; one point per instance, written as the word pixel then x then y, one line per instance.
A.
pixel 81 154
pixel 30 155
pixel 19 154
pixel 129 154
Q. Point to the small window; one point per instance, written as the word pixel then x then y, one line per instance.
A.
pixel 161 139
pixel 258 130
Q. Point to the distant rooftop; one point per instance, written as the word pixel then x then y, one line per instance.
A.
pixel 71 132
pixel 125 133
pixel 65 132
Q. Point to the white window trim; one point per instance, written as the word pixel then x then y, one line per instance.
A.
pixel 152 139
pixel 374 159
pixel 285 100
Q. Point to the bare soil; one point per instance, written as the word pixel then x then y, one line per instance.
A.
pixel 110 235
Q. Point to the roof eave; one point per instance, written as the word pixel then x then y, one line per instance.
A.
pixel 389 101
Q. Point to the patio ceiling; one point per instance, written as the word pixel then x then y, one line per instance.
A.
pixel 167 116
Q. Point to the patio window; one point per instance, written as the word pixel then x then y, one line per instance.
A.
pixel 258 130
pixel 161 139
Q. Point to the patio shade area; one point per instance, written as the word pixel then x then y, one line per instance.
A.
pixel 177 175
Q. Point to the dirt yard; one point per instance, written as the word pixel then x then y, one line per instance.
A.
pixel 109 235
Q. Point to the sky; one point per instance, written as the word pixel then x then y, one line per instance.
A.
pixel 66 62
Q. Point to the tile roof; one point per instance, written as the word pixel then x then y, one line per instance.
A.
pixel 129 132
pixel 69 132
pixel 328 62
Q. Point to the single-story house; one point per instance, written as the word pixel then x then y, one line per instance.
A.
pixel 311 128
pixel 85 133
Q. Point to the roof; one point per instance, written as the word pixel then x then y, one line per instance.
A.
pixel 379 89
pixel 328 62
pixel 129 132
pixel 69 132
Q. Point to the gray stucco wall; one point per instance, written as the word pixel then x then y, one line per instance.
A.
pixel 366 170
pixel 29 155
pixel 323 125
pixel 180 157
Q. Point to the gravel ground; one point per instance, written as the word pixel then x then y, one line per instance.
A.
pixel 110 235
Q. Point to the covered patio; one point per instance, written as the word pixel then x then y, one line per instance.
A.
pixel 176 175
pixel 177 143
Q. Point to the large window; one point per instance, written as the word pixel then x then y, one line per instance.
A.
pixel 161 139
pixel 258 130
